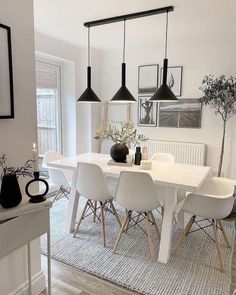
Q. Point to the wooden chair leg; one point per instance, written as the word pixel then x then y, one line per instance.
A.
pixel 115 212
pixel 57 194
pixel 95 211
pixel 155 224
pixel 81 218
pixel 103 225
pixel 162 211
pixel 148 227
pixel 121 231
pixel 127 225
pixel 183 235
pixel 217 245
pixel 224 233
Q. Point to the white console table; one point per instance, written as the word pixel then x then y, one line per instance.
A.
pixel 22 224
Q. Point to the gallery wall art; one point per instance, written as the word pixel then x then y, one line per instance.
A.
pixel 6 75
pixel 184 113
pixel 148 79
pixel 147 112
pixel 174 79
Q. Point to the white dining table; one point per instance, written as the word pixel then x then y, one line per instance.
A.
pixel 172 176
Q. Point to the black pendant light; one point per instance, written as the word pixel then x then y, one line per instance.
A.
pixel 164 92
pixel 89 95
pixel 123 95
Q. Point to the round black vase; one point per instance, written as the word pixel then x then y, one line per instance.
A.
pixel 118 152
pixel 10 195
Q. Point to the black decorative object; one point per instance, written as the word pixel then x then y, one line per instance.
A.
pixel 164 92
pixel 40 197
pixel 89 95
pixel 10 195
pixel 118 152
pixel 6 73
pixel 123 94
pixel 138 156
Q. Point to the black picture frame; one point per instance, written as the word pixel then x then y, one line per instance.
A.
pixel 184 113
pixel 177 72
pixel 150 73
pixel 6 72
pixel 142 117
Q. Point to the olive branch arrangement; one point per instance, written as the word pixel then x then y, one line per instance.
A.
pixel 25 170
pixel 125 135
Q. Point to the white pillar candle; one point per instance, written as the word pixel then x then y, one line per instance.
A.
pixel 35 158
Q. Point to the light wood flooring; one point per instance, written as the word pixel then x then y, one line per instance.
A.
pixel 67 280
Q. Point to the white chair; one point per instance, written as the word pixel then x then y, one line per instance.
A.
pixel 212 202
pixel 136 192
pixel 91 184
pixel 59 177
pixel 163 157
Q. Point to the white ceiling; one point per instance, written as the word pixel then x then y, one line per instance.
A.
pixel 192 20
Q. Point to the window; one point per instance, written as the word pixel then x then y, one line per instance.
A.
pixel 48 84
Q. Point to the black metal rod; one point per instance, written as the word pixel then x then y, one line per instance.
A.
pixel 135 15
pixel 89 77
pixel 123 73
pixel 165 69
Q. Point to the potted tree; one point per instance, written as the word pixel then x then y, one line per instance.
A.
pixel 220 94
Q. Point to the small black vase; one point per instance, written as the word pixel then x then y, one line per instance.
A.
pixel 118 152
pixel 10 195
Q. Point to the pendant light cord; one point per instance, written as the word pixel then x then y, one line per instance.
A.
pixel 124 41
pixel 166 34
pixel 89 62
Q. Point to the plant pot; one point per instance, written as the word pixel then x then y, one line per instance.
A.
pixel 10 195
pixel 118 152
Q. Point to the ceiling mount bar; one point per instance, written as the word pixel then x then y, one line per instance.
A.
pixel 129 16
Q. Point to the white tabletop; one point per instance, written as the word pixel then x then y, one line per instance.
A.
pixel 25 207
pixel 187 177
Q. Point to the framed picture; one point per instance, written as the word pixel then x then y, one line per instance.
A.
pixel 147 112
pixel 148 79
pixel 6 76
pixel 174 79
pixel 184 113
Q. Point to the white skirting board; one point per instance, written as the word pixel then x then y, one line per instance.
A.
pixel 38 285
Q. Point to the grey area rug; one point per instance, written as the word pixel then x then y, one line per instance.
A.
pixel 193 271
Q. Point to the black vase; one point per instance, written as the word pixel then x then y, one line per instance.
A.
pixel 10 195
pixel 118 152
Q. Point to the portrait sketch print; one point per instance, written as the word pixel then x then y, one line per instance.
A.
pixel 174 79
pixel 147 112
pixel 6 76
pixel 148 79
pixel 184 113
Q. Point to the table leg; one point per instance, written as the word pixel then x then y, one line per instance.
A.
pixel 72 206
pixel 29 269
pixel 49 261
pixel 167 224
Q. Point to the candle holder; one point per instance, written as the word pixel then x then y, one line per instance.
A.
pixel 40 197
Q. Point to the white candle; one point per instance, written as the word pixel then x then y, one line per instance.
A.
pixel 35 157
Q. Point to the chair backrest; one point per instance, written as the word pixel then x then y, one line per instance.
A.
pixel 91 183
pixel 57 176
pixel 165 157
pixel 136 191
pixel 213 200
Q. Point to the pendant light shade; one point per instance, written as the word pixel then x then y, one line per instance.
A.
pixel 123 95
pixel 89 95
pixel 164 92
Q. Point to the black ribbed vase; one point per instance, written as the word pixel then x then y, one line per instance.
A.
pixel 10 195
pixel 118 152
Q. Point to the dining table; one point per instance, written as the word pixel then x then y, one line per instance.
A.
pixel 174 178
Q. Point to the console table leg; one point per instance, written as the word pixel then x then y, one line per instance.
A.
pixel 49 261
pixel 29 269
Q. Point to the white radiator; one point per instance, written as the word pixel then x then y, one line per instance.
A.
pixel 184 152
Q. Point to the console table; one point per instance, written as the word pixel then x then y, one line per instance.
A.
pixel 22 224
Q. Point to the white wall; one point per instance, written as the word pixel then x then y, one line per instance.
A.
pixel 198 59
pixel 17 135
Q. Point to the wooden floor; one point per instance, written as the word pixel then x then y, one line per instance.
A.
pixel 67 280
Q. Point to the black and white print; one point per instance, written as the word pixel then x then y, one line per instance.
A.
pixel 174 79
pixel 148 79
pixel 147 112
